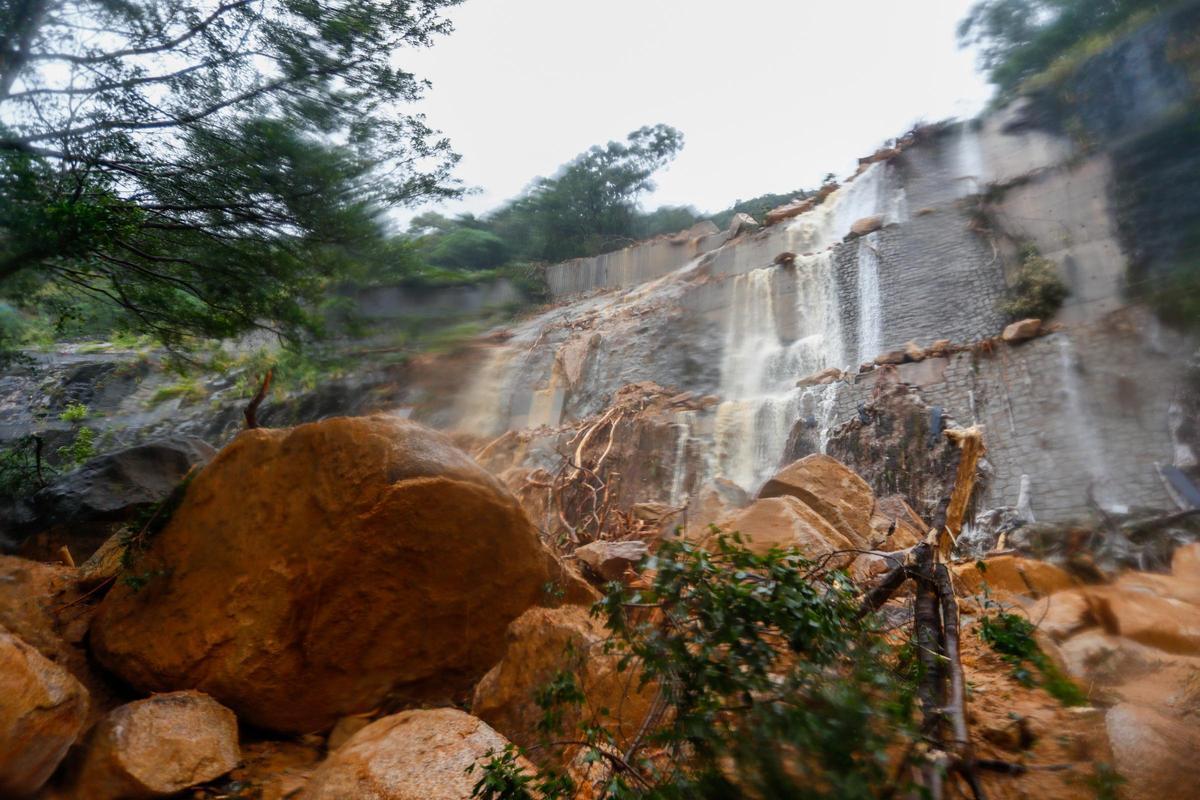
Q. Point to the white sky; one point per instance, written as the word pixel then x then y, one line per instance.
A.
pixel 770 94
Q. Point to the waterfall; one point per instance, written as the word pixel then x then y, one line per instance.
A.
pixel 484 405
pixel 967 167
pixel 828 223
pixel 1083 425
pixel 870 303
pixel 766 351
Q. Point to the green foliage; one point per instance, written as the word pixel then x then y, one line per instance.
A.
pixel 665 220
pixel 188 388
pixel 22 472
pixel 590 205
pixel 1018 39
pixel 81 448
pixel 470 249
pixel 773 685
pixel 1012 636
pixel 210 170
pixel 1105 781
pixel 135 535
pixel 74 412
pixel 1037 290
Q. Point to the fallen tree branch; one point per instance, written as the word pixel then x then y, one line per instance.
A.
pixel 955 707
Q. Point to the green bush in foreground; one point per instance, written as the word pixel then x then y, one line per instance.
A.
pixel 769 686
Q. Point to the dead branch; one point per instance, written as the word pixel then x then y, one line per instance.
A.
pixel 891 582
pixel 927 635
pixel 955 707
pixel 251 412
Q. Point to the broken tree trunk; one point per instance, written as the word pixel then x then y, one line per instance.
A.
pixel 971 449
pixel 955 706
pixel 251 412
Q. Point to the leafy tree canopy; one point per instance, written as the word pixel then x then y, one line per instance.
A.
pixel 591 204
pixel 1019 38
pixel 208 166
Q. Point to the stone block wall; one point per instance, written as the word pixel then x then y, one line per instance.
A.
pixel 1073 410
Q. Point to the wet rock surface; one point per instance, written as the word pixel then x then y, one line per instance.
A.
pixel 157 747
pixel 83 507
pixel 413 755
pixel 42 712
pixel 270 576
pixel 541 643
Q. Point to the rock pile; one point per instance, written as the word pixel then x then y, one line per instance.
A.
pixel 319 582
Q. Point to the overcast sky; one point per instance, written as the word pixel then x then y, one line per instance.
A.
pixel 770 94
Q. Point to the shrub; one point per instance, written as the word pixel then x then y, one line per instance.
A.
pixel 1011 635
pixel 22 470
pixel 1037 290
pixel 79 450
pixel 770 685
pixel 74 412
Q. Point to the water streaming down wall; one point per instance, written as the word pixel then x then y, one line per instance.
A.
pixel 781 324
pixel 870 300
pixel 775 324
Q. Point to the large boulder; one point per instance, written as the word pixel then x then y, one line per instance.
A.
pixel 157 747
pixel 413 755
pixel 81 508
pixel 541 644
pixel 1021 330
pixel 44 606
pixel 712 502
pixel 1154 753
pixel 311 573
pixel 1140 613
pixel 783 523
pixel 895 525
pixel 831 489
pixel 42 711
pixel 1009 573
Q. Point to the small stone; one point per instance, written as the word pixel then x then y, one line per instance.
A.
pixel 914 351
pixel 894 357
pixel 610 560
pixel 742 223
pixel 821 377
pixel 158 747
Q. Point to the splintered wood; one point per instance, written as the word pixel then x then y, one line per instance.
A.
pixel 971 449
pixel 942 687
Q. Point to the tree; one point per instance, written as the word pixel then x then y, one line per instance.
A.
pixel 591 204
pixel 770 682
pixel 1019 38
pixel 470 249
pixel 208 165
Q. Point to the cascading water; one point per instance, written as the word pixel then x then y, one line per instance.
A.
pixel 1084 426
pixel 762 361
pixel 870 303
pixel 779 324
pixel 967 167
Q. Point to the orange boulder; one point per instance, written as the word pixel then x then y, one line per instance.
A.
pixel 311 573
pixel 830 488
